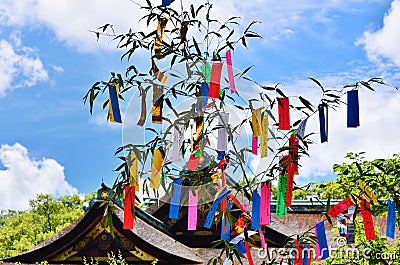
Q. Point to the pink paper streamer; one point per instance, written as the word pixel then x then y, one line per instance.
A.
pixel 265 217
pixel 317 250
pixel 192 210
pixel 254 144
pixel 230 71
pixel 262 239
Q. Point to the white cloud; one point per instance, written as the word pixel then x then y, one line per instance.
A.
pixel 20 66
pixel 383 43
pixel 24 177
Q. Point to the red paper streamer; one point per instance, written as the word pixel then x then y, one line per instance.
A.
pixel 298 257
pixel 289 188
pixel 254 144
pixel 334 211
pixel 215 80
pixel 248 253
pixel 367 220
pixel 129 204
pixel 283 113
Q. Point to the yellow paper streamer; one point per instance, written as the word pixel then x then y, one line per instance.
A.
pixel 367 192
pixel 256 121
pixel 264 136
pixel 134 171
pixel 156 169
pixel 159 37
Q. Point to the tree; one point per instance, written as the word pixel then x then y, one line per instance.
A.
pixel 22 230
pixel 195 40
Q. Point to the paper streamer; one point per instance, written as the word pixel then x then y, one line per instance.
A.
pixel 298 257
pixel 158 99
pixel 215 79
pixel 175 199
pixel 162 23
pixel 198 143
pixel 158 159
pixel 211 213
pixel 254 144
pixel 134 171
pixel 177 143
pixel 166 3
pixel 262 239
pixel 281 210
pixel 322 242
pixel 265 205
pixel 255 211
pixel 294 152
pixel 222 144
pixel 283 113
pixel 203 97
pixel 227 262
pixel 206 71
pixel 192 209
pixel 193 163
pixel 248 254
pixel 143 113
pixel 129 207
pixel 256 121
pixel 367 220
pixel 301 129
pixel 226 225
pixel 290 184
pixel 264 136
pixel 323 125
pixel 158 74
pixel 306 252
pixel 113 104
pixel 391 219
pixel 236 201
pixel 370 195
pixel 230 71
pixel 353 119
pixel 334 211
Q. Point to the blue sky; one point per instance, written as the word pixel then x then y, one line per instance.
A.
pixel 48 60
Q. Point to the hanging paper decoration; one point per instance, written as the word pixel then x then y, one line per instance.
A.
pixel 290 184
pixel 222 144
pixel 226 225
pixel 367 220
pixel 113 104
pixel 192 209
pixel 158 99
pixel 306 256
pixel 158 158
pixel 254 145
pixel 281 210
pixel 206 71
pixel 264 136
pixel 248 254
pixel 230 71
pixel 227 262
pixel 368 194
pixel 193 163
pixel 340 207
pixel 255 213
pixel 350 233
pixel 283 113
pixel 162 23
pixel 256 121
pixel 353 119
pixel 166 3
pixel 391 219
pixel 177 143
pixel 129 207
pixel 175 199
pixel 265 205
pixel 134 171
pixel 323 123
pixel 298 254
pixel 301 129
pixel 198 142
pixel 158 74
pixel 323 244
pixel 215 79
pixel 221 194
pixel 262 239
pixel 294 152
pixel 202 97
pixel 143 112
pixel 220 155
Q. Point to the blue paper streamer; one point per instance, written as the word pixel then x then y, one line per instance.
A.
pixel 323 244
pixel 241 247
pixel 221 155
pixel 166 2
pixel 226 236
pixel 114 103
pixel 255 213
pixel 211 213
pixel 305 254
pixel 175 199
pixel 353 119
pixel 322 124
pixel 391 219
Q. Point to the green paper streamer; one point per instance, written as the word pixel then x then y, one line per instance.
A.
pixel 281 210
pixel 206 71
